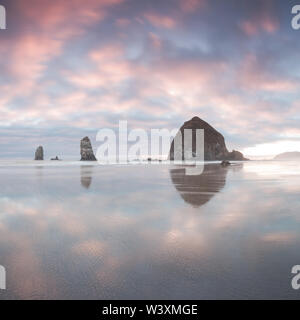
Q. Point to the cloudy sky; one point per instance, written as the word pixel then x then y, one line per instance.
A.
pixel 70 67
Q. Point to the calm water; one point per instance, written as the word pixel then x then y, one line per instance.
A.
pixel 149 231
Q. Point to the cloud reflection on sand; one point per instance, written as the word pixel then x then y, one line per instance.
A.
pixel 132 236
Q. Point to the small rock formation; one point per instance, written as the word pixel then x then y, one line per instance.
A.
pixel 86 150
pixel 39 154
pixel 214 142
pixel 236 156
pixel 225 163
pixel 55 159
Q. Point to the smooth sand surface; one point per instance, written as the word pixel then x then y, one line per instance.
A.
pixel 72 231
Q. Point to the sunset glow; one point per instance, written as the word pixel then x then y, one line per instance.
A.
pixel 73 67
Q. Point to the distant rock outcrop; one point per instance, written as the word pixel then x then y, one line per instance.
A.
pixel 236 156
pixel 86 150
pixel 288 156
pixel 55 159
pixel 214 142
pixel 225 163
pixel 39 154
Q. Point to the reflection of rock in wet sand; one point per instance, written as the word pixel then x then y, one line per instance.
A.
pixel 198 189
pixel 86 176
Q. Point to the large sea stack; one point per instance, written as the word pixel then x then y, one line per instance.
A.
pixel 214 143
pixel 39 154
pixel 86 150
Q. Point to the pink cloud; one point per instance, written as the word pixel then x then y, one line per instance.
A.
pixel 64 14
pixel 30 53
pixel 270 24
pixel 253 76
pixel 54 22
pixel 106 53
pixel 160 21
pixel 263 21
pixel 155 40
pixel 252 28
pixel 189 6
pixel 189 86
pixel 122 22
pixel 110 68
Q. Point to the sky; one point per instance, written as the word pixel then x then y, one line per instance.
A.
pixel 70 67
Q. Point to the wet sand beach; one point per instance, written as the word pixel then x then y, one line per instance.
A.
pixel 69 231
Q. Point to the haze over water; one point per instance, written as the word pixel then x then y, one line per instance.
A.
pixel 149 231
